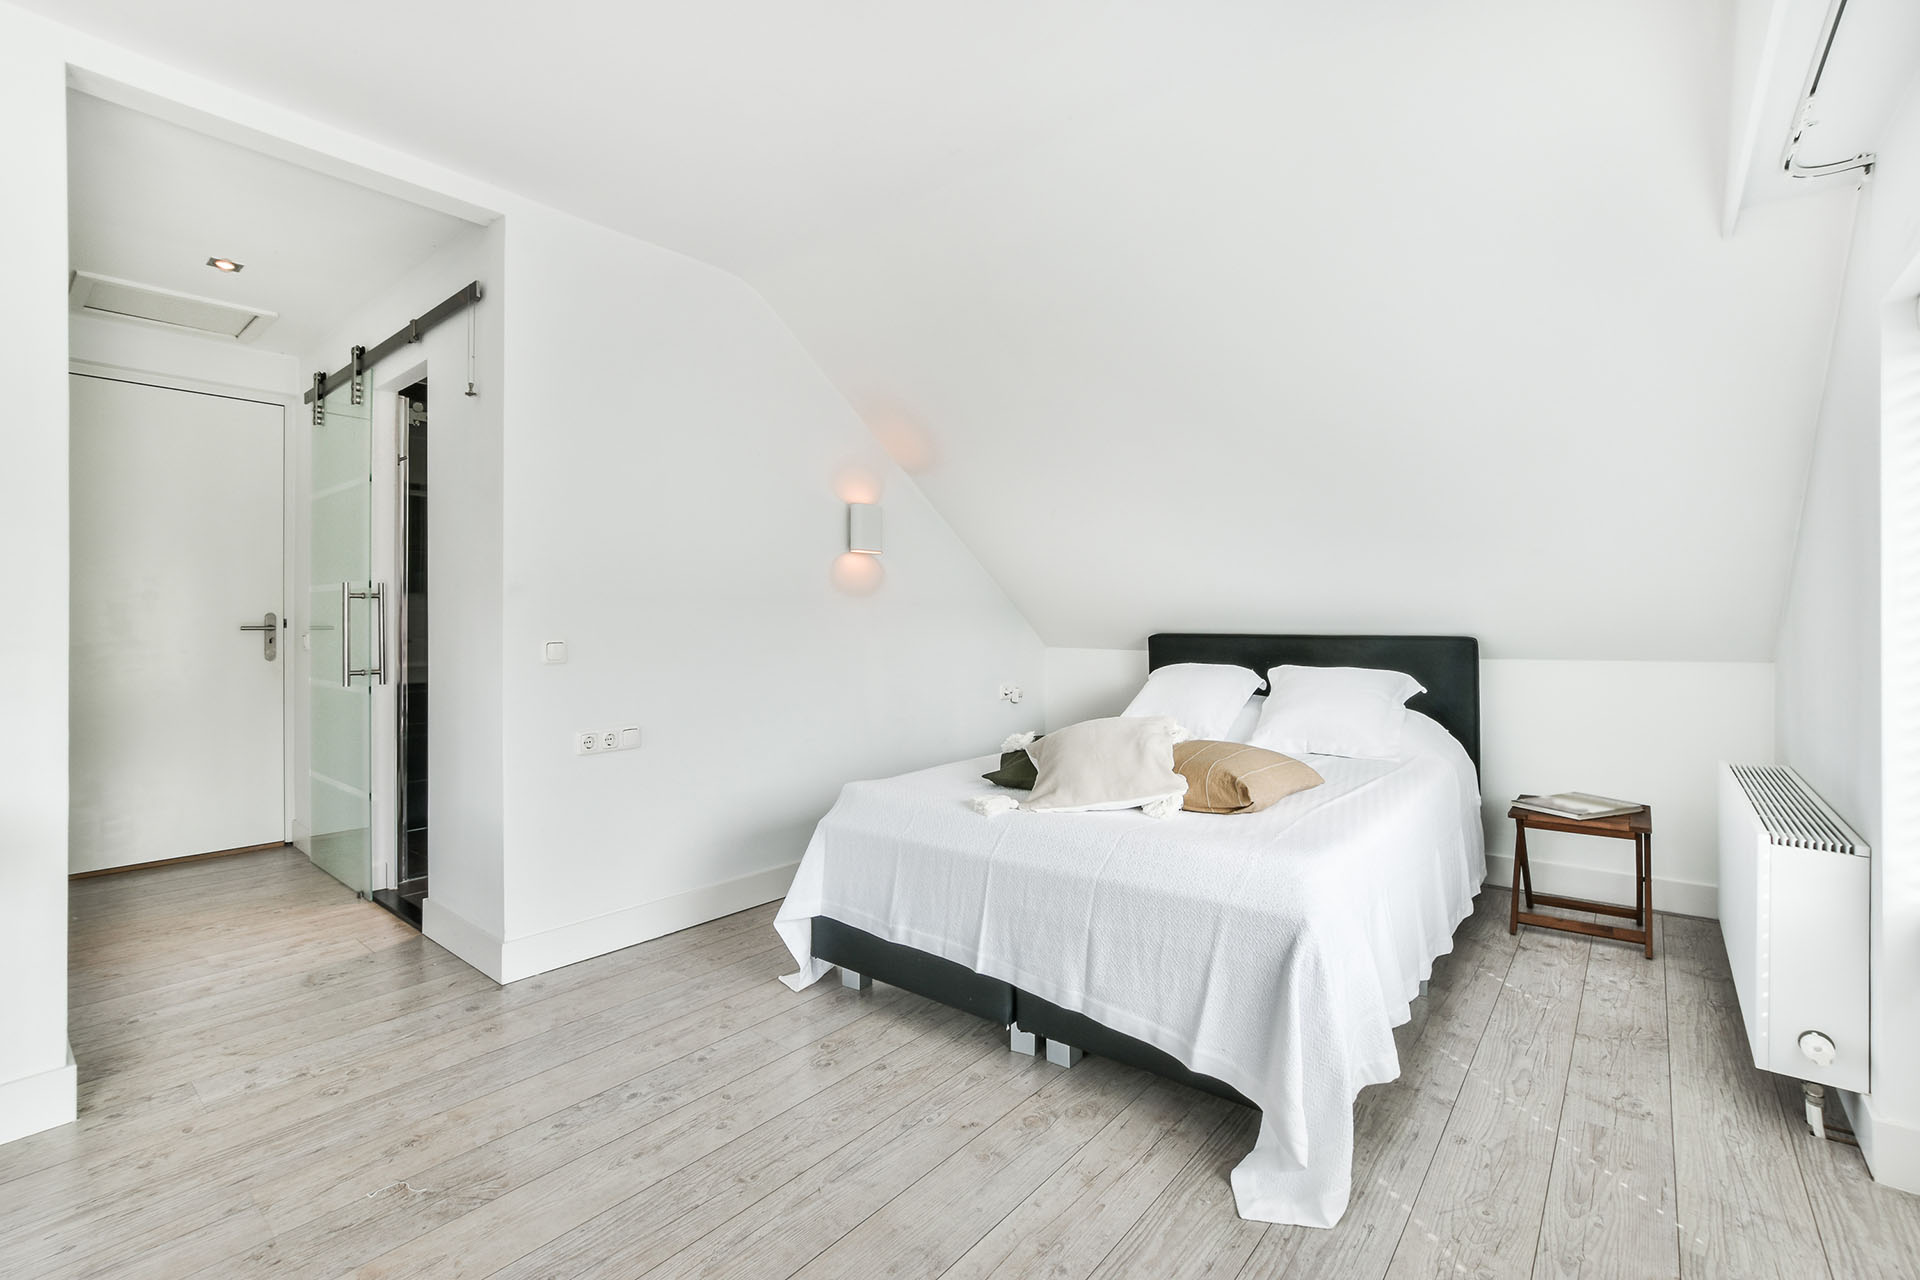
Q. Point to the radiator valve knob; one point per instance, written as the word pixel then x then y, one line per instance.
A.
pixel 1818 1048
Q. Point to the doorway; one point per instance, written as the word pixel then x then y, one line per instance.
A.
pixel 405 899
pixel 177 690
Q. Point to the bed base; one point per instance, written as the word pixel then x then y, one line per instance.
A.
pixel 1033 1025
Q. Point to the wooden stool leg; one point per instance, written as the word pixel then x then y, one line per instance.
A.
pixel 1519 870
pixel 1647 861
pixel 1639 883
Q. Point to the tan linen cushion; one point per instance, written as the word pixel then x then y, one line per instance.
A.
pixel 1123 762
pixel 1231 777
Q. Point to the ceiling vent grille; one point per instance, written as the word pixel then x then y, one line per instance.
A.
pixel 103 295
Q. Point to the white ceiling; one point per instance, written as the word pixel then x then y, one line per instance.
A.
pixel 1380 315
pixel 150 202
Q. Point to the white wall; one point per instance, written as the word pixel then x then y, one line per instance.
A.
pixel 1833 673
pixel 1647 731
pixel 36 1077
pixel 676 476
pixel 1084 684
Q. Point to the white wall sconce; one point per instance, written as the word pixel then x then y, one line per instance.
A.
pixel 863 528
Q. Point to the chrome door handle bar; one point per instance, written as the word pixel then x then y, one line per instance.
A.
pixel 377 593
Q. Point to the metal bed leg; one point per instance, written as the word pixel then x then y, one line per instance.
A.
pixel 1063 1055
pixel 1022 1041
pixel 855 981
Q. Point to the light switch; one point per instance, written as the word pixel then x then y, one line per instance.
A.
pixel 629 739
pixel 555 651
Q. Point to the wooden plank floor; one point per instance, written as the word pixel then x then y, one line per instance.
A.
pixel 279 1080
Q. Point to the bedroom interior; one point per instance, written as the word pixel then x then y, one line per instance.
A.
pixel 1285 448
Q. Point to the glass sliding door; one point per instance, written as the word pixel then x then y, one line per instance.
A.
pixel 343 607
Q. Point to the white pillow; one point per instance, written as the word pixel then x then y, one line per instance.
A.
pixel 1201 697
pixel 1121 763
pixel 1335 711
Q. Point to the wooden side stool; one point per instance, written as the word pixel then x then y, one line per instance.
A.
pixel 1636 826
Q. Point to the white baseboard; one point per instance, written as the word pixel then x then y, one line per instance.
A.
pixel 1892 1151
pixel 44 1100
pixel 1688 897
pixel 462 937
pixel 569 944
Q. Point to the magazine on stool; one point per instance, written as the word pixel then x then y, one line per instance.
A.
pixel 1577 805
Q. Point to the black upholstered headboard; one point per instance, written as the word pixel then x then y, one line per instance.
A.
pixel 1448 665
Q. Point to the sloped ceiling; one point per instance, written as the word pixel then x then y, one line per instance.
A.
pixel 1379 315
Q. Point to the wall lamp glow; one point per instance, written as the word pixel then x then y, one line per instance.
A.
pixel 863 528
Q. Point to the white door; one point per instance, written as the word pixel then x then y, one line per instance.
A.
pixel 177 713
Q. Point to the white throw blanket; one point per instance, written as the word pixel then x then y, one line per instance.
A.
pixel 1275 951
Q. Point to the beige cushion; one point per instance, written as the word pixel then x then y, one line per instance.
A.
pixel 1231 777
pixel 1124 762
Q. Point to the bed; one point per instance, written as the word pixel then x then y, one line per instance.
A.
pixel 1265 957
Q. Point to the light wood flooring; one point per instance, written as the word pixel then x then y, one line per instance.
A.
pixel 279 1080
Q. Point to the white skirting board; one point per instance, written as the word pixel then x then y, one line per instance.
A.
pixel 461 936
pixel 1892 1151
pixel 42 1101
pixel 1687 897
pixel 512 959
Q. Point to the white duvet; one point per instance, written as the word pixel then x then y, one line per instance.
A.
pixel 1275 951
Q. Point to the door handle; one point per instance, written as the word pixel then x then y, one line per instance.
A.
pixel 377 593
pixel 270 624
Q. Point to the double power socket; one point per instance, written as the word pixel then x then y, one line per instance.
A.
pixel 600 742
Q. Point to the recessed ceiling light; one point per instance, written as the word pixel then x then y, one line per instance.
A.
pixel 226 264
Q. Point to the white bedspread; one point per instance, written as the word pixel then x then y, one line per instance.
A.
pixel 1275 951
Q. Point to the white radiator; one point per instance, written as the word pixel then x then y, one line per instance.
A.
pixel 1794 912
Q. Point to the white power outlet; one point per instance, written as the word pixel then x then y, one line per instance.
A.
pixel 1011 693
pixel 600 742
